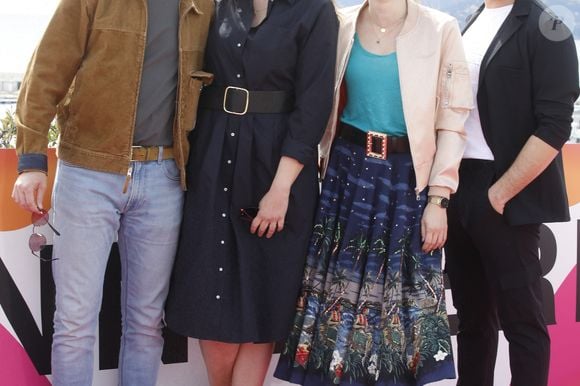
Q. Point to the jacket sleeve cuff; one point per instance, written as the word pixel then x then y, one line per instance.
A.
pixel 299 151
pixel 553 137
pixel 32 161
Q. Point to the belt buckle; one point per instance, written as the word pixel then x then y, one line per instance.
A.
pixel 143 153
pixel 372 136
pixel 226 97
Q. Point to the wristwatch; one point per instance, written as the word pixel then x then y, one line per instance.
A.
pixel 443 202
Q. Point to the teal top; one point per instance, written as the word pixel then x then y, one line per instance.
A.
pixel 374 92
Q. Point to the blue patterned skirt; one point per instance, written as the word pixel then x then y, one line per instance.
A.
pixel 372 307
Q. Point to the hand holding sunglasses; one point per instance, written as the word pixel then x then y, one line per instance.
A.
pixel 37 241
pixel 269 217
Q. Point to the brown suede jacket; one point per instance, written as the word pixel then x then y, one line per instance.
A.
pixel 87 71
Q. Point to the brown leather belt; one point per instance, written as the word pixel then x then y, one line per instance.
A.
pixel 377 145
pixel 151 153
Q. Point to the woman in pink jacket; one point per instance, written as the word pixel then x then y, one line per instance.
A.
pixel 372 307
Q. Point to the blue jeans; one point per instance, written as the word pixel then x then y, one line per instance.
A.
pixel 91 212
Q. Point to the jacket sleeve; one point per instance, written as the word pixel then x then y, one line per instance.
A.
pixel 314 88
pixel 455 100
pixel 555 85
pixel 48 77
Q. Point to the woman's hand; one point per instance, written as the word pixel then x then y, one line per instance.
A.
pixel 433 227
pixel 270 217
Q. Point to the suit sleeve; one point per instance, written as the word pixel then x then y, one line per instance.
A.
pixel 314 88
pixel 555 85
pixel 48 77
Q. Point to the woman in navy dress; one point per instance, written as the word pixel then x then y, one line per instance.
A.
pixel 252 181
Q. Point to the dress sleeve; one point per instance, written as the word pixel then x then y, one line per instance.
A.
pixel 314 87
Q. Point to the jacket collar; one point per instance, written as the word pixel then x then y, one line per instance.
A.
pixel 513 22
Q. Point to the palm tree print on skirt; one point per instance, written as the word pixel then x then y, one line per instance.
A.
pixel 372 307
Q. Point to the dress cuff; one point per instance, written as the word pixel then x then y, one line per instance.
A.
pixel 299 151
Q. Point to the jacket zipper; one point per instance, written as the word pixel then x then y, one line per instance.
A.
pixel 130 167
pixel 128 178
pixel 448 76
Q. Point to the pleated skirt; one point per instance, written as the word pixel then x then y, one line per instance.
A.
pixel 372 306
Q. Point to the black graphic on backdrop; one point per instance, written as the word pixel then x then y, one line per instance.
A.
pixel 37 341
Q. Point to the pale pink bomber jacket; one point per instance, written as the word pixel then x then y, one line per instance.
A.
pixel 435 89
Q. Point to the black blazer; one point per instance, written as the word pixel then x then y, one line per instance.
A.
pixel 528 83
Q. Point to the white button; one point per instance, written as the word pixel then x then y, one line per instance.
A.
pixel 218 297
pixel 229 161
pixel 233 134
pixel 220 269
pixel 224 215
pixel 222 242
pixel 225 189
pixel 238 76
pixel 239 44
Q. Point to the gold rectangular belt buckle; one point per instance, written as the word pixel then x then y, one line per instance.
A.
pixel 228 89
pixel 375 140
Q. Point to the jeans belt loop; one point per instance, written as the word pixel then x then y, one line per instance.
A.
pixel 160 155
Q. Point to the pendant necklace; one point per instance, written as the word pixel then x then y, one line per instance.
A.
pixel 382 31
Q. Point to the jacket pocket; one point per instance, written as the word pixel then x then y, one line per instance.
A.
pixel 197 80
pixel 455 86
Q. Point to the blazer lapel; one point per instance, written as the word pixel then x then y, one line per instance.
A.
pixel 472 18
pixel 509 27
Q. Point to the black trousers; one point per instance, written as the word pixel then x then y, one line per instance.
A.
pixel 495 273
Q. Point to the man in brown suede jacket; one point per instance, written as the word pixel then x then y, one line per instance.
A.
pixel 123 78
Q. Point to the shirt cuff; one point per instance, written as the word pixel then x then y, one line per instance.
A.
pixel 32 161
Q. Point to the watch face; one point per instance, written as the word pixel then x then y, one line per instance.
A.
pixel 444 202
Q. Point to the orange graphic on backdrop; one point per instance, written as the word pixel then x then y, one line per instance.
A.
pixel 572 172
pixel 12 217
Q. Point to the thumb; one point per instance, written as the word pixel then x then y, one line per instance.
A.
pixel 40 195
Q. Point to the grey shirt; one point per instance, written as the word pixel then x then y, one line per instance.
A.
pixel 157 95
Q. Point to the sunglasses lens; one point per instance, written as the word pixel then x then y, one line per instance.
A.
pixel 39 219
pixel 36 242
pixel 248 213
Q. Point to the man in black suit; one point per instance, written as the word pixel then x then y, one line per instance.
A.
pixel 524 72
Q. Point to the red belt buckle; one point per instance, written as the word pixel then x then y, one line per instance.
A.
pixel 376 140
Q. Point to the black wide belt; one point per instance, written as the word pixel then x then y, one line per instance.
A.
pixel 377 145
pixel 240 101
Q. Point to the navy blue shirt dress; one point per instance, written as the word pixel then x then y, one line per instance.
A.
pixel 229 285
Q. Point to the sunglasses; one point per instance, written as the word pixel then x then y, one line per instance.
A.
pixel 249 214
pixel 37 241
